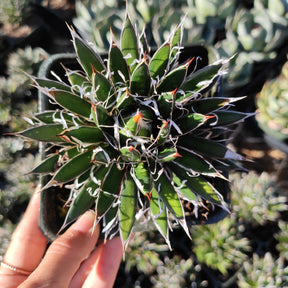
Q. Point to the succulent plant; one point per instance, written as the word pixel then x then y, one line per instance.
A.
pixel 263 272
pixel 254 35
pixel 137 135
pixel 256 197
pixel 220 246
pixel 272 106
pixel 12 11
pixel 174 273
pixel 282 238
pixel 28 60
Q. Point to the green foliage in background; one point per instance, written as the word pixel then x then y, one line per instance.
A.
pixel 272 102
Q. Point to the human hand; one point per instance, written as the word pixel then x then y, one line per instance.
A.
pixel 70 261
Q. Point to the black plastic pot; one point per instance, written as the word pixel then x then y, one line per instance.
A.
pixel 52 213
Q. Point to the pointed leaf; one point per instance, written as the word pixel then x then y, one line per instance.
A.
pixel 140 80
pixel 128 205
pixel 198 80
pixel 101 116
pixel 199 186
pixel 129 43
pixel 82 134
pixel 142 178
pixel 208 105
pixel 103 89
pixel 118 65
pixel 47 165
pixel 159 214
pixel 124 100
pixel 78 81
pixel 225 118
pixel 173 79
pixel 110 188
pixel 192 121
pixel 54 116
pixel 50 84
pixel 195 164
pixel 169 196
pixel 73 168
pixel 87 57
pixel 163 134
pixel 168 154
pixel 159 61
pixel 72 102
pixel 51 163
pixel 164 102
pixel 87 195
pixel 187 193
pixel 208 148
pixel 176 41
pixel 45 133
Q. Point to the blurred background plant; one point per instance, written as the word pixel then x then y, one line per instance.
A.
pixel 248 248
pixel 13 11
pixel 272 103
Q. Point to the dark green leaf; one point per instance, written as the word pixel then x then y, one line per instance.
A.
pixel 87 195
pixel 45 133
pixel 199 186
pixel 169 196
pixel 173 79
pixel 192 121
pixel 207 147
pixel 103 89
pixel 110 188
pixel 200 78
pixel 83 134
pixel 118 65
pixel 225 118
pixel 50 84
pixel 140 80
pixel 142 178
pixel 73 168
pixel 128 205
pixel 159 214
pixel 159 61
pixel 129 43
pixel 88 58
pixel 72 102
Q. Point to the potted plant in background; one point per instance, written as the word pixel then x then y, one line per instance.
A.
pixel 272 114
pixel 137 136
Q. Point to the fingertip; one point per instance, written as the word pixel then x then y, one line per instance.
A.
pixel 86 223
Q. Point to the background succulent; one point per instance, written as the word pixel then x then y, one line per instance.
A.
pixel 264 272
pixel 219 249
pixel 15 88
pixel 272 106
pixel 282 238
pixel 257 198
pixel 13 11
pixel 144 121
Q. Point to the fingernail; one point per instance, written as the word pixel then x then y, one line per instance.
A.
pixel 85 223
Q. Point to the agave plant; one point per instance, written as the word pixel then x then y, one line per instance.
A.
pixel 137 135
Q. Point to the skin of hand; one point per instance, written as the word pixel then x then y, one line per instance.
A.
pixel 71 261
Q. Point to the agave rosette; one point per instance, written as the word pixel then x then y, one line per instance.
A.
pixel 137 135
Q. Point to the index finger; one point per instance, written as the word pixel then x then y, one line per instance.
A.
pixel 28 244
